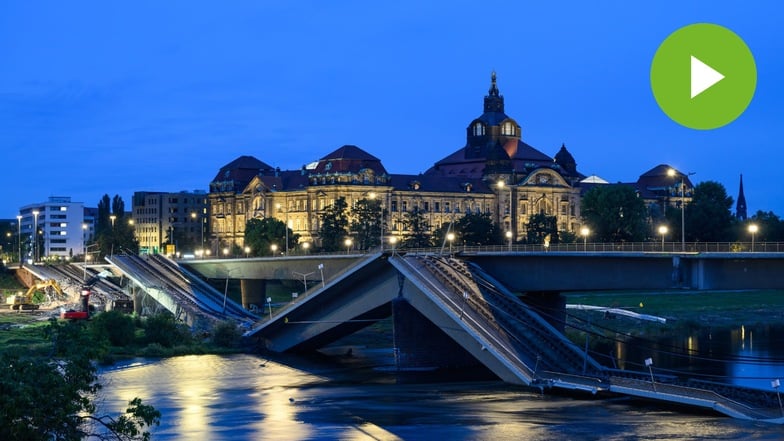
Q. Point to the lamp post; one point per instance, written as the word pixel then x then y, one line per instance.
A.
pixel 247 251
pixel 671 173
pixel 753 229
pixel 35 235
pixel 226 252
pixel 348 244
pixel 501 204
pixel 201 226
pixel 274 249
pixel 450 237
pixel 663 231
pixel 19 236
pixel 112 218
pixel 509 239
pixel 286 212
pixel 86 259
pixel 584 232
pixel 306 247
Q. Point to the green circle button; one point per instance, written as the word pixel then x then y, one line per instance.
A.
pixel 703 76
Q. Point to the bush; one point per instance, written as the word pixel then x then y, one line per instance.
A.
pixel 164 330
pixel 226 334
pixel 116 326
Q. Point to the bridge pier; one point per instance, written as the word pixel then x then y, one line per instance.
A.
pixel 418 343
pixel 254 292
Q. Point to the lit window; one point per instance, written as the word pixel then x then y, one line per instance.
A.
pixel 507 129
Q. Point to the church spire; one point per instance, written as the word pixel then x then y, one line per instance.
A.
pixel 494 101
pixel 740 207
pixel 493 86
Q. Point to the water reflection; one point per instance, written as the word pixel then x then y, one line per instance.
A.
pixel 744 356
pixel 246 397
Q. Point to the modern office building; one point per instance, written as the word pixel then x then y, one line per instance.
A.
pixel 170 222
pixel 58 226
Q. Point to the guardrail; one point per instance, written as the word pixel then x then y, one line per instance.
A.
pixel 599 247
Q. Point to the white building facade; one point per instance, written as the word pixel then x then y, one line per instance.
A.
pixel 58 224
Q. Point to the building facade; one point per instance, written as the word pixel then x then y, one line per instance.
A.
pixel 495 172
pixel 170 222
pixel 58 225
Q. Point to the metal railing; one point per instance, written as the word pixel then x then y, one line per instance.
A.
pixel 603 247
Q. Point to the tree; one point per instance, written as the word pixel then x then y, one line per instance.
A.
pixel 417 229
pixel 770 227
pixel 366 223
pixel 261 234
pixel 334 226
pixel 478 229
pixel 51 398
pixel 708 216
pixel 114 234
pixel 614 213
pixel 542 228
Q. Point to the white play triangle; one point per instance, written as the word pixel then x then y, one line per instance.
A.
pixel 702 76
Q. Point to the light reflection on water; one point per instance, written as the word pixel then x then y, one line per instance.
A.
pixel 209 397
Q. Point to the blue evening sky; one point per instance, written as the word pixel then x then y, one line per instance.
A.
pixel 114 97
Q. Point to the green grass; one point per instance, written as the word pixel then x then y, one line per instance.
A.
pixel 701 308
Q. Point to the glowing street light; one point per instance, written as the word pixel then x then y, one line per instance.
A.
pixel 663 231
pixel 584 232
pixel 247 251
pixel 509 239
pixel 753 229
pixel 348 244
pixel 274 249
pixel 201 225
pixel 35 235
pixel 306 247
pixel 226 252
pixel 671 173
pixel 450 237
pixel 19 236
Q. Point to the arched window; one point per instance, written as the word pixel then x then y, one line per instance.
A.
pixel 479 129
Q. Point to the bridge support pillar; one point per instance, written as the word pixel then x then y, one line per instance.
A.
pixel 550 305
pixel 418 343
pixel 254 292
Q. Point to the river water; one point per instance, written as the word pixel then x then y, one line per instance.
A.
pixel 247 397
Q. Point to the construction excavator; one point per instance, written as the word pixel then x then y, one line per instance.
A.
pixel 24 302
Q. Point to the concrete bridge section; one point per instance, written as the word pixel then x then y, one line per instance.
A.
pixel 571 271
pixel 487 321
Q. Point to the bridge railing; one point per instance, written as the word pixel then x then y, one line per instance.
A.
pixel 600 247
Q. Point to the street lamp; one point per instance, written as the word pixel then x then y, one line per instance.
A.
pixel 112 218
pixel 509 239
pixel 663 231
pixel 671 173
pixel 35 235
pixel 753 229
pixel 19 236
pixel 247 251
pixel 226 252
pixel 201 226
pixel 86 259
pixel 450 237
pixel 286 212
pixel 584 232
pixel 274 249
pixel 306 246
pixel 348 244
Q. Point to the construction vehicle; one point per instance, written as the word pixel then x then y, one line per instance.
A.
pixel 24 302
pixel 84 301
